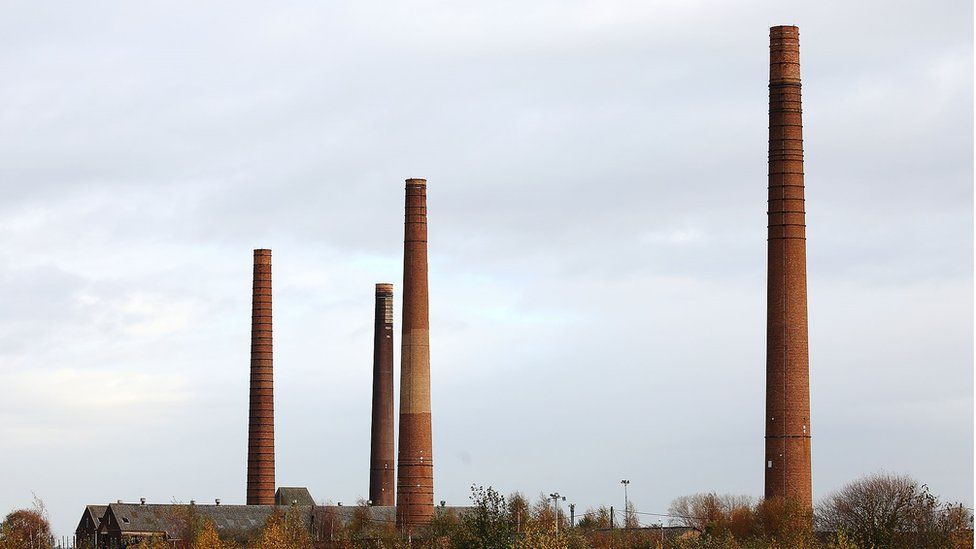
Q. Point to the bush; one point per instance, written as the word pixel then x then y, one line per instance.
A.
pixel 886 510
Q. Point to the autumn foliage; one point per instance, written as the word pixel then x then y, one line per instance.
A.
pixel 26 528
pixel 875 512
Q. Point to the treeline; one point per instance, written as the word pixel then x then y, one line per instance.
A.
pixel 875 512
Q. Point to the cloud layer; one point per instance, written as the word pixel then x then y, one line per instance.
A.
pixel 597 236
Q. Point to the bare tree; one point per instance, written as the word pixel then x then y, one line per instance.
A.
pixel 705 512
pixel 885 510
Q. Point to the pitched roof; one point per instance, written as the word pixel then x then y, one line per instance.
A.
pixel 96 512
pixel 293 495
pixel 91 518
pixel 170 519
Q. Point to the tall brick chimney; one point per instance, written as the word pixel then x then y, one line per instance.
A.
pixel 415 473
pixel 381 471
pixel 260 427
pixel 788 473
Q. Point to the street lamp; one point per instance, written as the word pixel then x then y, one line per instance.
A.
pixel 625 482
pixel 555 499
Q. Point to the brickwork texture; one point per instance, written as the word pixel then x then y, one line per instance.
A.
pixel 787 467
pixel 381 465
pixel 415 468
pixel 260 428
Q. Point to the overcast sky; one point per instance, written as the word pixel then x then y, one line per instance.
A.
pixel 597 194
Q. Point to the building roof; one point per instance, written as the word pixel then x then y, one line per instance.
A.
pixel 377 513
pixel 170 519
pixel 346 513
pixel 96 512
pixel 293 496
pixel 91 518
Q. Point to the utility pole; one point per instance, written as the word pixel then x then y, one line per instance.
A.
pixel 555 499
pixel 626 482
pixel 611 526
pixel 572 515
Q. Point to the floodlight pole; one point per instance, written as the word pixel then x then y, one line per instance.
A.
pixel 626 482
pixel 555 499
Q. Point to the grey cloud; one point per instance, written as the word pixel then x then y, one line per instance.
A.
pixel 597 200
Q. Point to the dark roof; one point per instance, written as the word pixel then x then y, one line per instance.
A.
pixel 134 517
pixel 377 513
pixel 91 518
pixel 293 495
pixel 168 518
pixel 237 517
pixel 345 513
pixel 96 512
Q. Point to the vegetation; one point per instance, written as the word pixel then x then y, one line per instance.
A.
pixel 26 528
pixel 875 512
pixel 886 510
pixel 285 531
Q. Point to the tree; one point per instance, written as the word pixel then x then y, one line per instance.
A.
pixel 487 525
pixel 285 531
pixel 630 516
pixel 26 528
pixel 442 527
pixel 713 513
pixel 538 537
pixel 151 542
pixel 519 511
pixel 544 514
pixel 726 520
pixel 361 523
pixel 207 537
pixel 884 510
pixel 594 518
pixel 784 520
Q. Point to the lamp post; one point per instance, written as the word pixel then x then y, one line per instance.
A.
pixel 555 499
pixel 626 482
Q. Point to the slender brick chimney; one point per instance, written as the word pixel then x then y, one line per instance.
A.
pixel 381 472
pixel 415 474
pixel 788 474
pixel 260 427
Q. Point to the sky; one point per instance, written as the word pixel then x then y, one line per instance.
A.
pixel 597 193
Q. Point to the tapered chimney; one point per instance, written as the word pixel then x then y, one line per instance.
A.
pixel 381 472
pixel 788 474
pixel 260 427
pixel 415 473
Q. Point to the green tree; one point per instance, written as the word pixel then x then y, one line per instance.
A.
pixel 487 525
